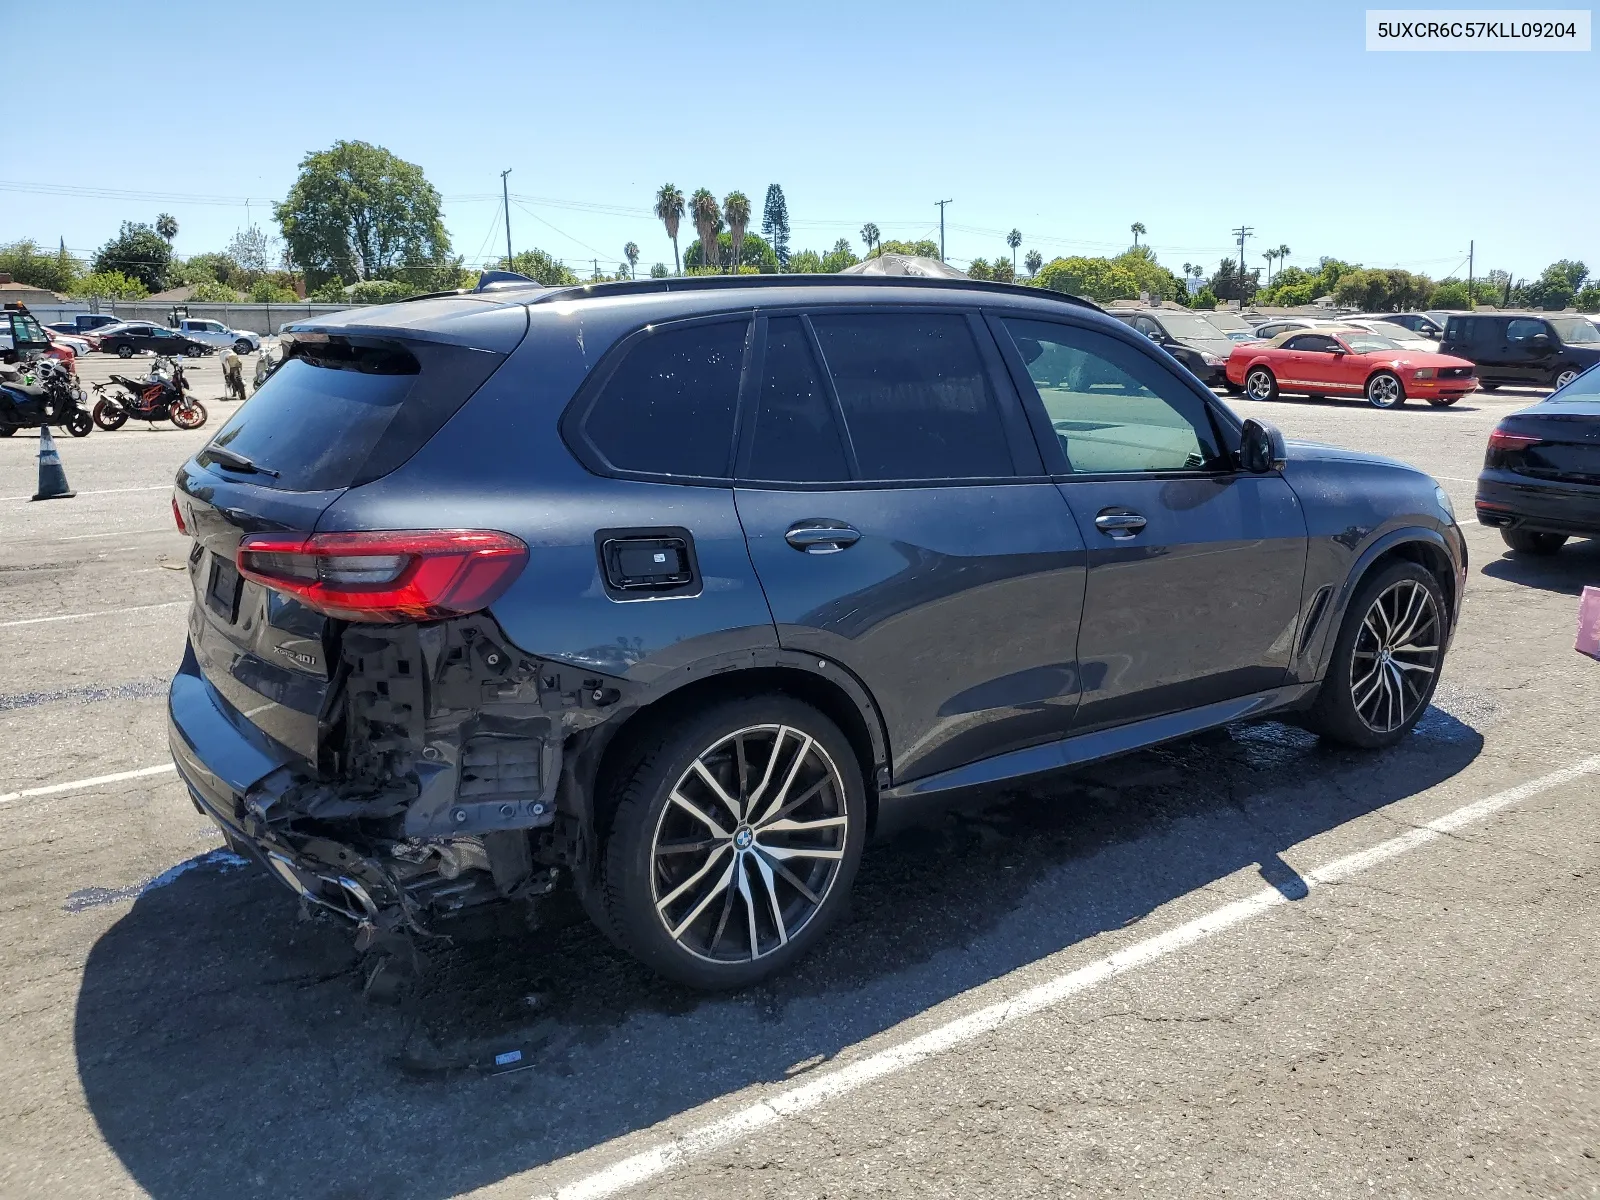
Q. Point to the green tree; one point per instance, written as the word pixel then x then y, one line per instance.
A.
pixel 736 209
pixel 138 252
pixel 1270 255
pixel 805 262
pixel 669 211
pixel 1229 283
pixel 108 285
pixel 1452 293
pixel 756 254
pixel 1588 298
pixel 926 248
pixel 368 291
pixel 979 268
pixel 209 291
pixel 536 264
pixel 268 290
pixel 840 257
pixel 1033 260
pixel 167 227
pixel 706 215
pixel 659 271
pixel 1014 239
pixel 775 224
pixel 1557 285
pixel 631 253
pixel 1003 272
pixel 1137 228
pixel 250 251
pixel 213 266
pixel 26 263
pixel 870 236
pixel 1096 278
pixel 357 212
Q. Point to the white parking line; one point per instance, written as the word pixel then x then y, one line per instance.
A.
pixel 664 1156
pixel 160 487
pixel 79 784
pixel 105 612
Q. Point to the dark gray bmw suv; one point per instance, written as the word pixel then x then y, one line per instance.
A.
pixel 677 590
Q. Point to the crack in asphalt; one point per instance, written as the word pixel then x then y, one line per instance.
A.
pixel 137 689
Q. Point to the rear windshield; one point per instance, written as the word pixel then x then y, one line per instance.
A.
pixel 348 415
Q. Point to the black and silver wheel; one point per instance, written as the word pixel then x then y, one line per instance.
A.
pixel 1564 376
pixel 734 842
pixel 80 423
pixel 241 347
pixel 1528 541
pixel 1386 660
pixel 1385 391
pixel 124 351
pixel 1260 384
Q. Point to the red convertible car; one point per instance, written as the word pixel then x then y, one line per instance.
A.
pixel 1347 362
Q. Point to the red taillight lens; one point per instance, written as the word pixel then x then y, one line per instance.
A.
pixel 177 516
pixel 387 576
pixel 1500 439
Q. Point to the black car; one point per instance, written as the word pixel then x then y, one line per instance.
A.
pixel 1187 336
pixel 678 589
pixel 1529 349
pixel 125 343
pixel 1540 482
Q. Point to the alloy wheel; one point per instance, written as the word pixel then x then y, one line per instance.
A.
pixel 748 844
pixel 1259 385
pixel 1384 391
pixel 1565 378
pixel 1395 657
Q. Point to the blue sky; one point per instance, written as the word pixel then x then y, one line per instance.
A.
pixel 1068 121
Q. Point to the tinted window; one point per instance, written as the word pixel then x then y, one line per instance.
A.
pixel 1112 407
pixel 350 415
pixel 796 434
pixel 915 395
pixel 668 407
pixel 1311 341
pixel 1521 328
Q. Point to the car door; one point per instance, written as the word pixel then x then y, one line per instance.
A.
pixel 1531 347
pixel 903 528
pixel 1195 567
pixel 1327 363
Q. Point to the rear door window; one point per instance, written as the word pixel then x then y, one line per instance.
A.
pixel 344 415
pixel 668 407
pixel 915 396
pixel 797 438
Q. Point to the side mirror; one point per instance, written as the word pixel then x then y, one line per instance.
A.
pixel 1540 339
pixel 1153 335
pixel 1262 448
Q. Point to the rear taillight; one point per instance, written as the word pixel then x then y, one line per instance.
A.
pixel 387 576
pixel 1502 440
pixel 177 516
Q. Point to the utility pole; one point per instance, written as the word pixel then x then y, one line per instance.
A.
pixel 1241 233
pixel 1471 246
pixel 941 204
pixel 505 197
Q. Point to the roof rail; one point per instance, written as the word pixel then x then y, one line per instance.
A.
pixel 712 283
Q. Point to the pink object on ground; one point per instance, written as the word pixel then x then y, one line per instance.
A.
pixel 1589 623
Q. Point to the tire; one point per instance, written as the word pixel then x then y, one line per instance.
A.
pixel 1377 688
pixel 1384 390
pixel 191 414
pixel 1260 384
pixel 110 415
pixel 241 347
pixel 1489 387
pixel 1233 389
pixel 80 423
pixel 7 430
pixel 739 914
pixel 1564 377
pixel 1442 401
pixel 124 351
pixel 1527 541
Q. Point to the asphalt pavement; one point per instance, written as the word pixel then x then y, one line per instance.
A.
pixel 1245 965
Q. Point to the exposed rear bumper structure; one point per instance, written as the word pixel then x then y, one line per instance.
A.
pixel 1509 501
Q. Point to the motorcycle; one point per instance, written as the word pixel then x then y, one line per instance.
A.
pixel 266 365
pixel 48 394
pixel 161 397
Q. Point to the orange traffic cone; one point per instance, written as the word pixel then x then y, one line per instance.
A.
pixel 52 475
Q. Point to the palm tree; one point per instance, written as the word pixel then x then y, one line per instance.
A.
pixel 1014 239
pixel 167 226
pixel 736 210
pixel 669 208
pixel 871 236
pixel 631 253
pixel 1138 228
pixel 706 214
pixel 1270 255
pixel 1283 253
pixel 1033 260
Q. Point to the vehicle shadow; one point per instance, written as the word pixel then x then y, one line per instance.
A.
pixel 225 1048
pixel 1577 565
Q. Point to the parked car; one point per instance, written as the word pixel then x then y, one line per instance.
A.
pixel 1187 336
pixel 82 323
pixel 134 338
pixel 1401 336
pixel 1273 326
pixel 1417 322
pixel 219 336
pixel 1531 349
pixel 1347 361
pixel 1540 483
pixel 1234 327
pixel 673 589
pixel 77 345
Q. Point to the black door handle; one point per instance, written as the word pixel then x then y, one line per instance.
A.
pixel 1119 522
pixel 821 537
